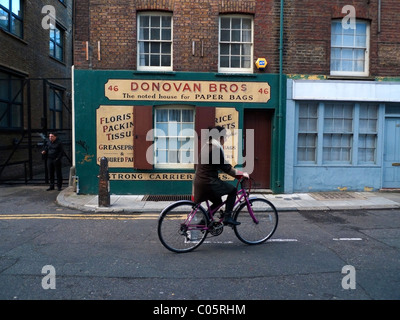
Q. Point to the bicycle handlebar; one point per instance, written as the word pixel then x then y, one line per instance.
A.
pixel 241 180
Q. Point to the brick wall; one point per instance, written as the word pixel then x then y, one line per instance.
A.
pixel 308 34
pixel 30 54
pixel 113 23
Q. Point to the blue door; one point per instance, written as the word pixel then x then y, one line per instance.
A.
pixel 391 154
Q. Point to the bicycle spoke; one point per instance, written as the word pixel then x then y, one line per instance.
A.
pixel 260 228
pixel 182 227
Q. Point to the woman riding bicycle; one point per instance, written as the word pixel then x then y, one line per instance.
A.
pixel 206 183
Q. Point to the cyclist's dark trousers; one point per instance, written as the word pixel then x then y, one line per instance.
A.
pixel 55 168
pixel 230 200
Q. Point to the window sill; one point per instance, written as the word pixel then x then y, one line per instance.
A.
pixel 169 73
pixel 235 74
pixel 59 61
pixel 13 36
pixel 338 77
pixel 174 167
pixel 337 165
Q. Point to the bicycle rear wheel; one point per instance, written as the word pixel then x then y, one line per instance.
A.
pixel 259 231
pixel 182 226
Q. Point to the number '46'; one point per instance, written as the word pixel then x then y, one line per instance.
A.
pixel 263 91
pixel 113 88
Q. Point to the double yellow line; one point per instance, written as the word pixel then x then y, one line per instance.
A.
pixel 89 216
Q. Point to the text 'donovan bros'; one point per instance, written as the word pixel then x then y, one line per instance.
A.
pixel 207 91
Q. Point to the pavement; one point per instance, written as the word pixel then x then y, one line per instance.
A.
pixel 313 201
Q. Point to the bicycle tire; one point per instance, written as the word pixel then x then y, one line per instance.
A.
pixel 178 236
pixel 250 232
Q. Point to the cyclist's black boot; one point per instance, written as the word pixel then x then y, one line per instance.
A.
pixel 229 220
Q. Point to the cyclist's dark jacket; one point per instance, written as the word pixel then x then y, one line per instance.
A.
pixel 206 183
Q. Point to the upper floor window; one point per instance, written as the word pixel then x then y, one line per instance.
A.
pixel 57 42
pixel 154 41
pixel 235 44
pixel 11 17
pixel 350 49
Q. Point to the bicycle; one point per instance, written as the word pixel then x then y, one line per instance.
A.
pixel 184 225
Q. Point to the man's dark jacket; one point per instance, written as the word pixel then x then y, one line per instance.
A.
pixel 54 150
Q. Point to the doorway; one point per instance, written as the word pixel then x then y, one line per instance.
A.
pixel 260 121
pixel 391 157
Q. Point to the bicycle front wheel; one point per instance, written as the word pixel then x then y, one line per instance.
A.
pixel 260 228
pixel 182 226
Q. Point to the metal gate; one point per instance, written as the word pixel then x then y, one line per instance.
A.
pixel 43 105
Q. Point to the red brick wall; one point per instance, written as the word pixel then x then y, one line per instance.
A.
pixel 114 25
pixel 308 35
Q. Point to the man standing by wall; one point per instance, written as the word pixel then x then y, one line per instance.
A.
pixel 54 151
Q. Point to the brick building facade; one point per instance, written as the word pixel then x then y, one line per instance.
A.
pixel 167 49
pixel 195 24
pixel 324 109
pixel 35 72
pixel 308 34
pixel 342 59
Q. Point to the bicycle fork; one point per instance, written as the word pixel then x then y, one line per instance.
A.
pixel 250 208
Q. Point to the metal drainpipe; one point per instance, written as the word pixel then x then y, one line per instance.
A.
pixel 280 116
pixel 379 15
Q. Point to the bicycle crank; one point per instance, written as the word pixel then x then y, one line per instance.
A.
pixel 216 228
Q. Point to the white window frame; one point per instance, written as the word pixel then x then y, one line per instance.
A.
pixel 308 133
pixel 153 68
pixel 158 134
pixel 229 69
pixel 362 124
pixel 366 52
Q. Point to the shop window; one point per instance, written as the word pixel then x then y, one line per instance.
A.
pixel 172 143
pixel 307 139
pixel 350 48
pixel 11 17
pixel 235 44
pixel 154 41
pixel 174 137
pixel 338 127
pixel 368 132
pixel 337 133
pixel 10 101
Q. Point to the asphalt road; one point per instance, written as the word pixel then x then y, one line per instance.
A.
pixel 49 253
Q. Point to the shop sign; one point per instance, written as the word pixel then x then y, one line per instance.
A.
pixel 157 176
pixel 115 135
pixel 185 91
pixel 229 119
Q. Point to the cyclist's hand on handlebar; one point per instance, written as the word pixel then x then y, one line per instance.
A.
pixel 241 175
